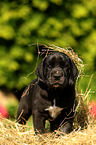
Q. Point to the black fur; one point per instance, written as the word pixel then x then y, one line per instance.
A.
pixel 56 76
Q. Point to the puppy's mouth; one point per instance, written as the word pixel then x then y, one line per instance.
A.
pixel 56 79
pixel 56 84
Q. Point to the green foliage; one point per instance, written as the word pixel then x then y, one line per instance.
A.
pixel 12 110
pixel 63 23
pixel 12 106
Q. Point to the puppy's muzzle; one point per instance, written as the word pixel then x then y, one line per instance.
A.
pixel 57 75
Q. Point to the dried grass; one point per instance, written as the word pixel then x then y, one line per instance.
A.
pixel 15 134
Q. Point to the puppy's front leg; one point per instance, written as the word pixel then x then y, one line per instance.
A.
pixel 39 122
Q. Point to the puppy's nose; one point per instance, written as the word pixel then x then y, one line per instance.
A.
pixel 57 76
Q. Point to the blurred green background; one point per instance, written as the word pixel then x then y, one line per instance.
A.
pixel 60 22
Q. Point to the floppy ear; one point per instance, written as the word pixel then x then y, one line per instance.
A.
pixel 40 71
pixel 73 73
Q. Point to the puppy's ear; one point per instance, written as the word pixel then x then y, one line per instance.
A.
pixel 73 72
pixel 40 71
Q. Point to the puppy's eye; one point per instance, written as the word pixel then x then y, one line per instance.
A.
pixel 63 64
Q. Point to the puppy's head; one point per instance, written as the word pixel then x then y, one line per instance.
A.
pixel 57 70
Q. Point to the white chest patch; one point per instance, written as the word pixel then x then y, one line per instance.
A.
pixel 54 111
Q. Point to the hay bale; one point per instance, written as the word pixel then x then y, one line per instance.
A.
pixel 13 133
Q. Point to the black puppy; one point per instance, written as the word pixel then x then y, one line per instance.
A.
pixel 52 95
